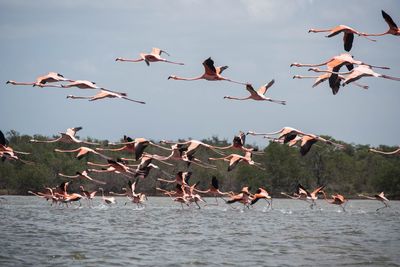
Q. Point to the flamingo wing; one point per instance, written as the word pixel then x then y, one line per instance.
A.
pixel 263 89
pixel 251 90
pixel 214 182
pixel 233 162
pixel 3 140
pixel 209 66
pixel 389 20
pixel 348 40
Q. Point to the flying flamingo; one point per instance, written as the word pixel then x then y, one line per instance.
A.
pixel 47 196
pixel 107 200
pixel 358 73
pixel 395 152
pixel 261 194
pixel 154 56
pixel 325 76
pixel 85 84
pixel 136 146
pixel 214 190
pixel 243 197
pixel 82 152
pixel 347 37
pixel 258 95
pixel 238 143
pixel 211 73
pixel 113 166
pixel 67 137
pixel 380 197
pixel 41 81
pixel 303 194
pixel 106 94
pixel 181 178
pixel 81 175
pixel 337 199
pixel 393 29
pixel 234 159
pixel 192 146
pixel 308 140
pixel 286 134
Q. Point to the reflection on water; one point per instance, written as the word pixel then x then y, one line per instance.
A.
pixel 162 234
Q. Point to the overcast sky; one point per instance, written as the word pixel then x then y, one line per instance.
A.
pixel 257 40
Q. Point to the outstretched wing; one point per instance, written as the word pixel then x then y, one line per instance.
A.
pixel 214 182
pixel 389 20
pixel 72 131
pixel 250 89
pixel 209 66
pixel 263 89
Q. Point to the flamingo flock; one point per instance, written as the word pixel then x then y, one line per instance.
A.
pixel 186 193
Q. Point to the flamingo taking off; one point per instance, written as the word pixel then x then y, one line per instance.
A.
pixel 42 81
pixel 107 200
pixel 211 73
pixel 393 29
pixel 348 36
pixel 258 95
pixel 243 197
pixel 380 197
pixel 213 190
pixel 106 94
pixel 261 194
pixel 303 194
pixel 337 199
pixel 88 195
pixel 153 56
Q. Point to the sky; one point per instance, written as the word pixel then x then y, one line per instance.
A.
pixel 257 39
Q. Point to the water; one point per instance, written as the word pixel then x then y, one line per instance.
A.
pixel 162 234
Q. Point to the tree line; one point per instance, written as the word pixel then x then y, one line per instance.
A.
pixel 347 171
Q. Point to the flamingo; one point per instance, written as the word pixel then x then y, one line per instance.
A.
pixel 337 199
pixel 325 76
pixel 211 73
pixel 113 166
pixel 192 146
pixel 258 95
pixel 181 178
pixel 85 84
pixel 238 143
pixel 380 197
pixel 357 73
pixel 106 94
pixel 136 146
pixel 41 81
pixel 88 195
pixel 4 146
pixel 234 159
pixel 82 152
pixel 347 37
pixel 308 140
pixel 153 56
pixel 46 196
pixel 393 29
pixel 81 175
pixel 302 194
pixel 214 190
pixel 243 197
pixel 286 134
pixel 261 194
pixel 107 200
pixel 67 137
pixel 395 152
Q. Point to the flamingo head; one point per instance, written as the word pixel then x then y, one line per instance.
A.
pixel 10 81
pixel 295 64
pixel 173 77
pixel 314 69
pixel 296 77
pixel 311 30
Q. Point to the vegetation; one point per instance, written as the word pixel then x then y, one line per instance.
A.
pixel 349 171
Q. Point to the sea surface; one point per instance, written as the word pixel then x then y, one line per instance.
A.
pixel 163 234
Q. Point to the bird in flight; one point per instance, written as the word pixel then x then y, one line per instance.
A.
pixel 393 28
pixel 67 137
pixel 153 56
pixel 42 81
pixel 211 73
pixel 258 95
pixel 348 36
pixel 106 94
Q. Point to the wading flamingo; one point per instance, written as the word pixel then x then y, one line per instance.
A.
pixel 211 73
pixel 258 95
pixel 154 56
